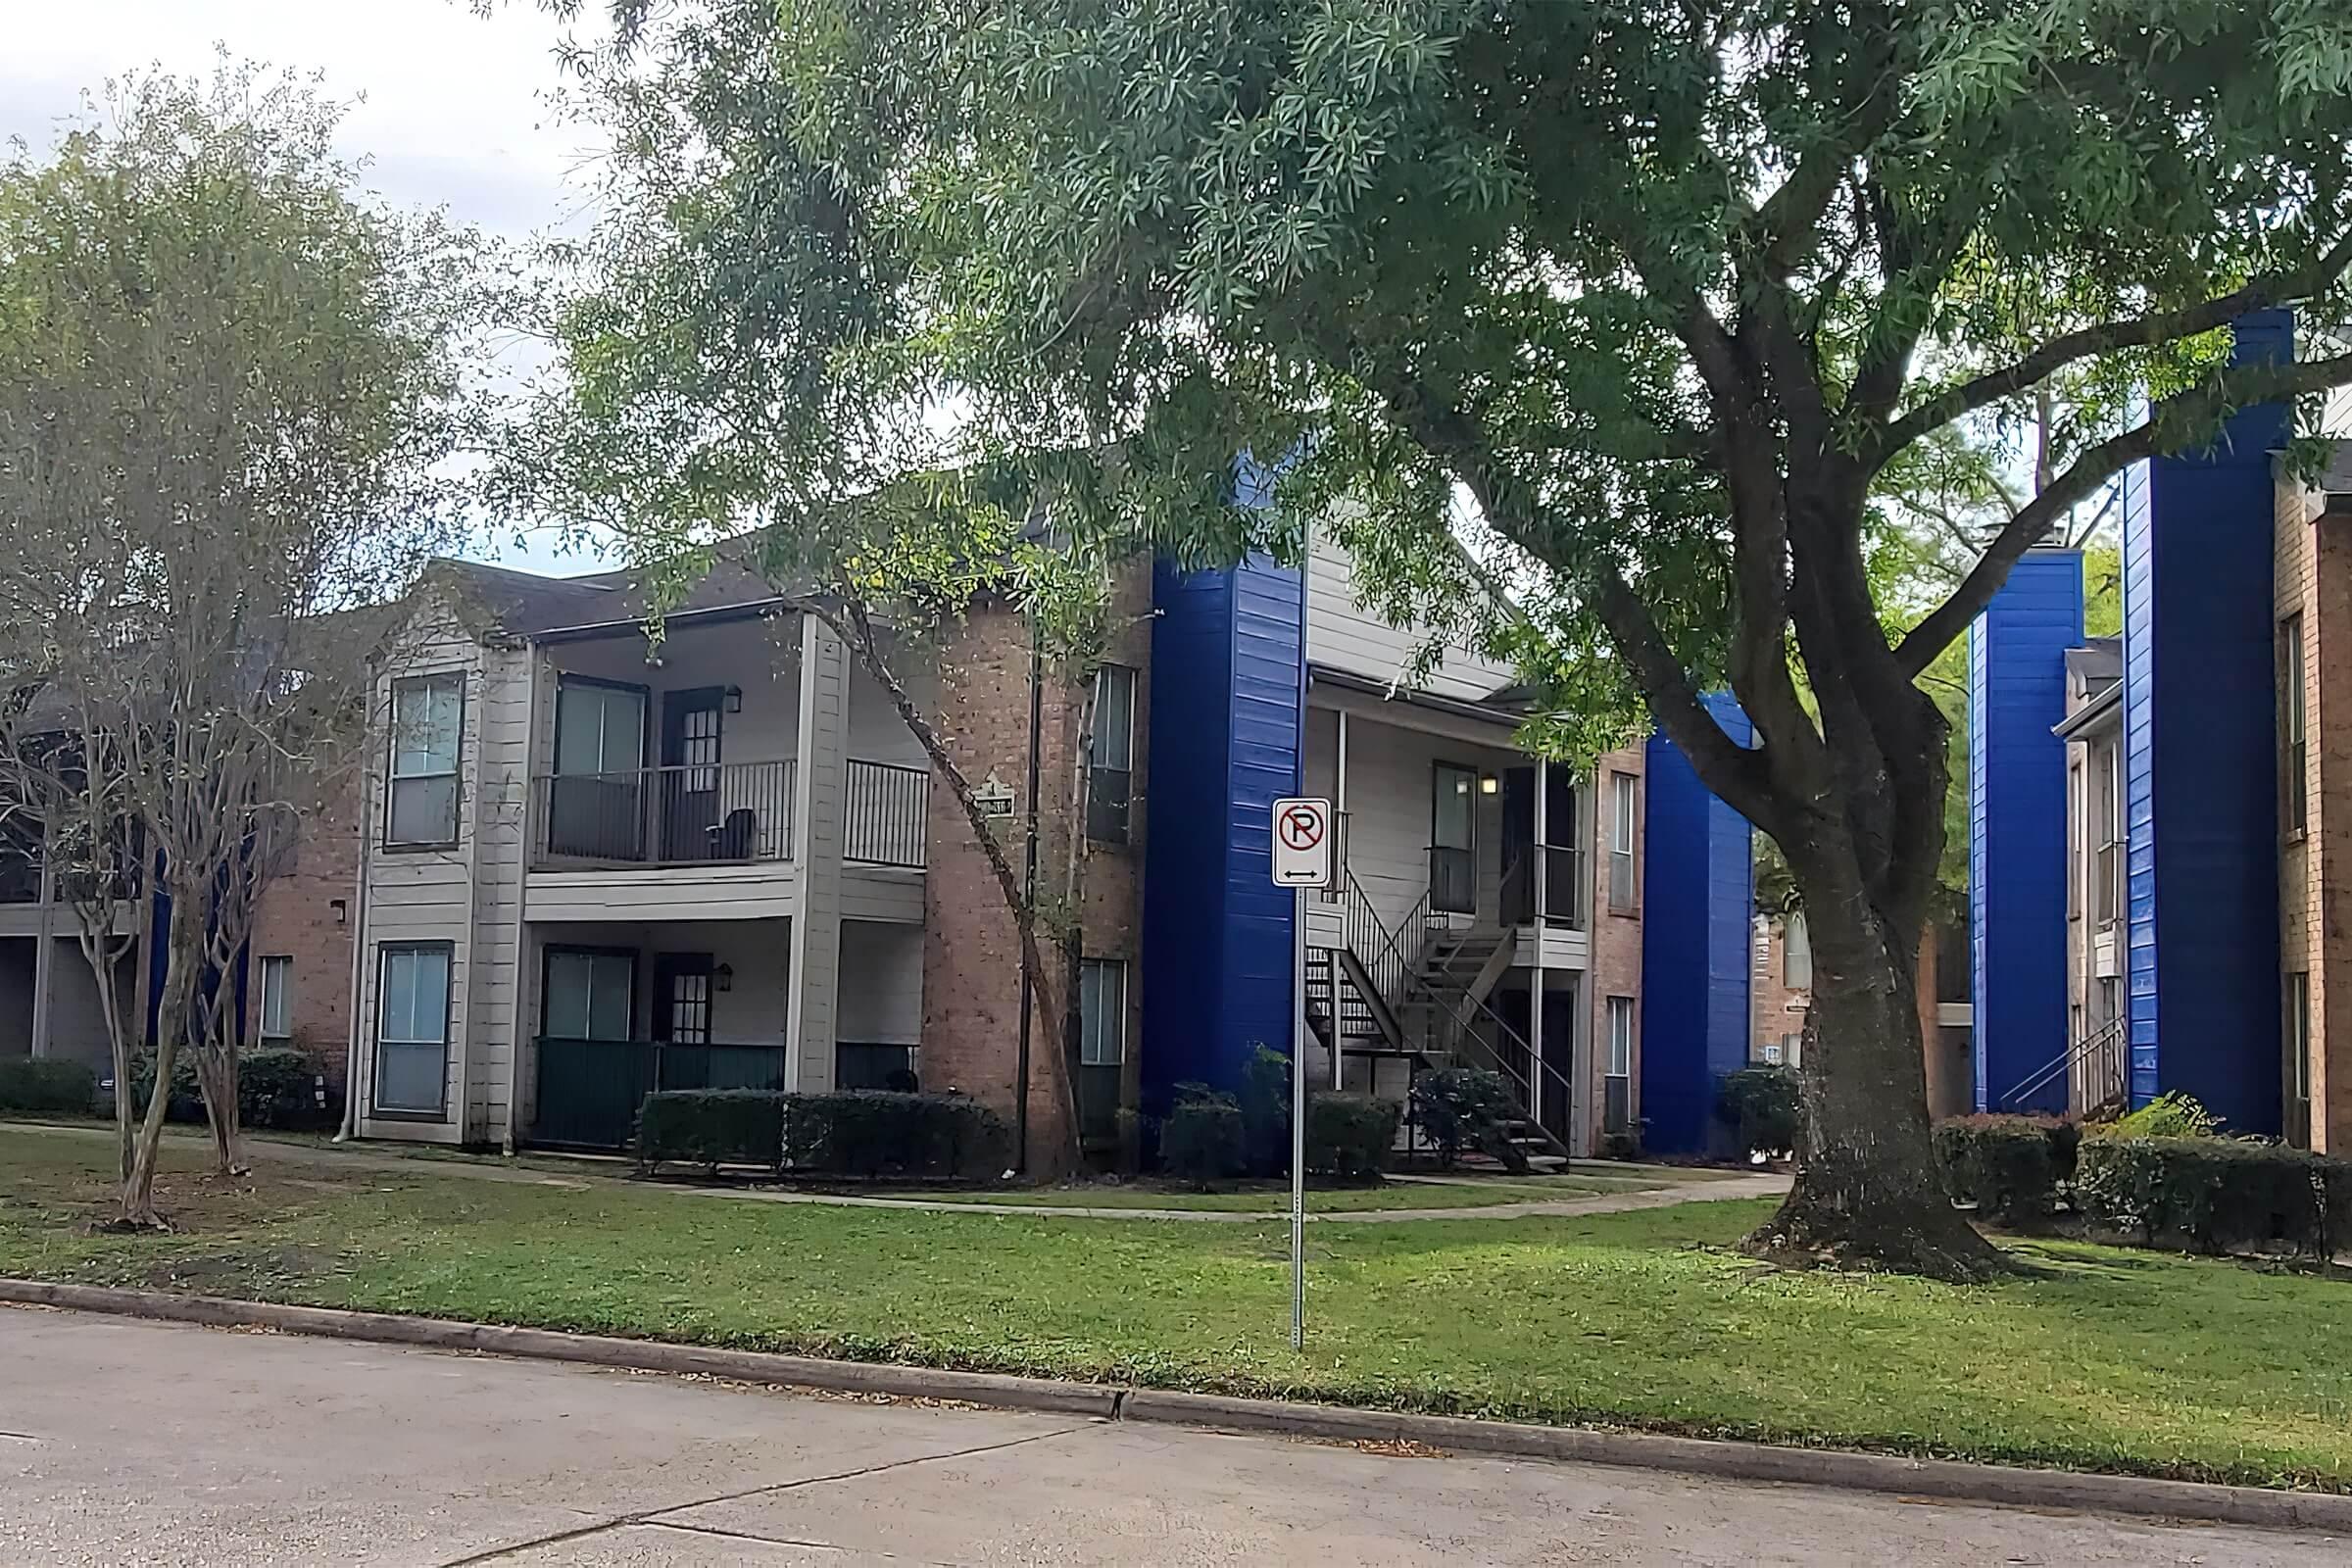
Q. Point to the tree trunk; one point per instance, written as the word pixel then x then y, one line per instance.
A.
pixel 1869 1190
pixel 185 946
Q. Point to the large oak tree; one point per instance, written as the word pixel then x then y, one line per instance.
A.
pixel 1597 328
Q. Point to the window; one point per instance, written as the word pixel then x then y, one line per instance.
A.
pixel 1617 1088
pixel 411 1029
pixel 1110 756
pixel 1102 1013
pixel 1796 955
pixel 591 994
pixel 278 999
pixel 2294 809
pixel 2113 868
pixel 1624 819
pixel 425 724
pixel 1621 1037
pixel 2298 1057
pixel 2078 814
pixel 1793 1049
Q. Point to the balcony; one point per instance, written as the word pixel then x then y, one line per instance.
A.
pixel 725 814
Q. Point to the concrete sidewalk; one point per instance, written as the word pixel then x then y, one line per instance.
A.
pixel 347 1156
pixel 128 1442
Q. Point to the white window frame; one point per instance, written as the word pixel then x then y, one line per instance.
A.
pixel 413 1039
pixel 1621 1037
pixel 399 770
pixel 1625 812
pixel 276 1011
pixel 1102 1032
pixel 1100 760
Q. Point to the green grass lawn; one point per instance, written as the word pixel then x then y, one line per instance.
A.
pixel 2104 1358
pixel 1274 1198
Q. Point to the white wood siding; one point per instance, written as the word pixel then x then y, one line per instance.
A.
pixel 428 896
pixel 1342 634
pixel 759 658
pixel 760 891
pixel 882 892
pixel 1390 800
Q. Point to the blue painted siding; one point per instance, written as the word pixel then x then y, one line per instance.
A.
pixel 1229 650
pixel 2201 760
pixel 2016 820
pixel 1698 898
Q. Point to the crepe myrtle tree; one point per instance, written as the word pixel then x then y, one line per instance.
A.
pixel 1596 329
pixel 229 384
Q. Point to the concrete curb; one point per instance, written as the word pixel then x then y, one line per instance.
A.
pixel 1953 1480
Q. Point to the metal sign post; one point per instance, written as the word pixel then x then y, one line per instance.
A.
pixel 1301 860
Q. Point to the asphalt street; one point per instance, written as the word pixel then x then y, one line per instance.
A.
pixel 129 1443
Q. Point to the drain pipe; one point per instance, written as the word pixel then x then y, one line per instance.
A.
pixel 358 959
pixel 1037 693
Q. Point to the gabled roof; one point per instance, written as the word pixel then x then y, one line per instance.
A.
pixel 529 605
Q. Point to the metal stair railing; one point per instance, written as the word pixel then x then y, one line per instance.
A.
pixel 2106 1040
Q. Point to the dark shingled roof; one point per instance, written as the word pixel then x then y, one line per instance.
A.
pixel 529 605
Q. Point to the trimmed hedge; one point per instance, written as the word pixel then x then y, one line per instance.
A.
pixel 1461 1107
pixel 2011 1167
pixel 1348 1135
pixel 1265 1101
pixel 187 1099
pixel 2217 1194
pixel 1763 1107
pixel 278 1087
pixel 857 1132
pixel 46 1087
pixel 1205 1139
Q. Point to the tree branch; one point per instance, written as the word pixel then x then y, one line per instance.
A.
pixel 2165 327
pixel 2175 424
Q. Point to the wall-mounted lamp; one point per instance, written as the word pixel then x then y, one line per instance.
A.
pixel 734 698
pixel 342 910
pixel 723 977
pixel 1489 784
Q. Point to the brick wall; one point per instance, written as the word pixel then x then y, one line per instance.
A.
pixel 1772 1013
pixel 971 945
pixel 296 918
pixel 2313 575
pixel 1616 939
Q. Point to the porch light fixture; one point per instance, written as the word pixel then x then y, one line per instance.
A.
pixel 723 977
pixel 734 698
pixel 341 910
pixel 1489 784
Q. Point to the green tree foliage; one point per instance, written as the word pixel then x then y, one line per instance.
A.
pixel 1599 330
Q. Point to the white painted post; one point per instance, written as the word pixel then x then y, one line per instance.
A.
pixel 44 952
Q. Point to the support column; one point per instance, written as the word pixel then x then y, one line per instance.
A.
pixel 820 780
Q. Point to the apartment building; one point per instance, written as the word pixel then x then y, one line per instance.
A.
pixel 1782 979
pixel 2189 901
pixel 592 864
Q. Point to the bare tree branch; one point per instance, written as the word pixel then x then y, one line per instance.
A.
pixel 2175 423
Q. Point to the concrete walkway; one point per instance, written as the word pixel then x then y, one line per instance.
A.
pixel 346 1157
pixel 257 1449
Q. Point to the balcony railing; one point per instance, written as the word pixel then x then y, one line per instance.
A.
pixel 701 815
pixel 1561 870
pixel 885 815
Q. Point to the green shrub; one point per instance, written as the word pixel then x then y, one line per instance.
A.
pixel 876 1132
pixel 1265 1099
pixel 1350 1137
pixel 2171 1116
pixel 186 1102
pixel 711 1127
pixel 1462 1108
pixel 1203 1140
pixel 278 1087
pixel 2217 1194
pixel 2011 1167
pixel 1763 1107
pixel 46 1087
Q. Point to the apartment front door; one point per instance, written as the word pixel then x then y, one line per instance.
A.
pixel 690 761
pixel 1452 839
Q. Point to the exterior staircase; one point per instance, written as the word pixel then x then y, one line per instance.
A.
pixel 1427 1010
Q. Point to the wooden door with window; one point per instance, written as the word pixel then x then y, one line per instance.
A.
pixel 682 985
pixel 690 768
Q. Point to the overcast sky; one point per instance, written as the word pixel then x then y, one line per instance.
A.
pixel 450 108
